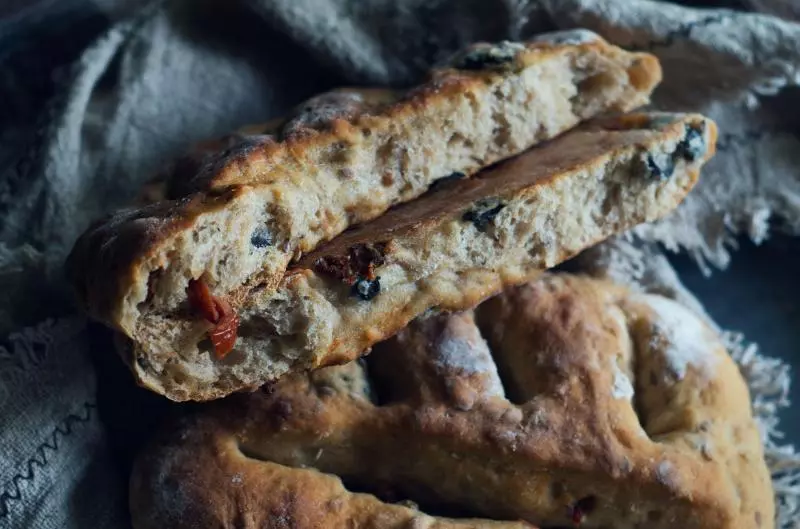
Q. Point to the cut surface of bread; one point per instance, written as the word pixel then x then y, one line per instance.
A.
pixel 565 402
pixel 239 210
pixel 448 249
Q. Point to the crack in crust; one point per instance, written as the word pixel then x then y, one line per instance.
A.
pixel 511 414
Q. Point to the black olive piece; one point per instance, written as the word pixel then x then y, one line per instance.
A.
pixel 661 170
pixel 488 56
pixel 693 144
pixel 261 238
pixel 143 362
pixel 366 289
pixel 480 60
pixel 483 214
pixel 452 177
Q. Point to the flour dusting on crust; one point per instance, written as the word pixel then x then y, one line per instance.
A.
pixel 622 388
pixel 468 356
pixel 682 336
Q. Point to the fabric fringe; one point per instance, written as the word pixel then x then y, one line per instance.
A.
pixel 769 380
pixel 643 267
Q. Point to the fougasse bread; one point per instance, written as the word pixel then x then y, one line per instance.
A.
pixel 238 211
pixel 565 402
pixel 449 249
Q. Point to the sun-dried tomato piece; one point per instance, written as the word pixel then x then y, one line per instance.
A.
pixel 365 257
pixel 358 264
pixel 216 311
pixel 223 335
pixel 336 266
pixel 201 300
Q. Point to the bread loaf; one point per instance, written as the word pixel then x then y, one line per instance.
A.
pixel 449 249
pixel 239 211
pixel 567 402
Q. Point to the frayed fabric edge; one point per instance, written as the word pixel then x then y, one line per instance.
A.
pixel 769 379
pixel 642 266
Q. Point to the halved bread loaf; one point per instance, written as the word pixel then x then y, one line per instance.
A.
pixel 239 210
pixel 566 402
pixel 449 249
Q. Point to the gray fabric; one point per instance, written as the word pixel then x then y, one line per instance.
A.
pixel 56 470
pixel 116 89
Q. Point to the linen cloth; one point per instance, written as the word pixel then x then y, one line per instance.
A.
pixel 96 95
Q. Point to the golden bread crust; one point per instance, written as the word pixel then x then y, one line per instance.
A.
pixel 238 210
pixel 573 401
pixel 451 248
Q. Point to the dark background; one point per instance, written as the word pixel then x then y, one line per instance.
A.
pixel 758 295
